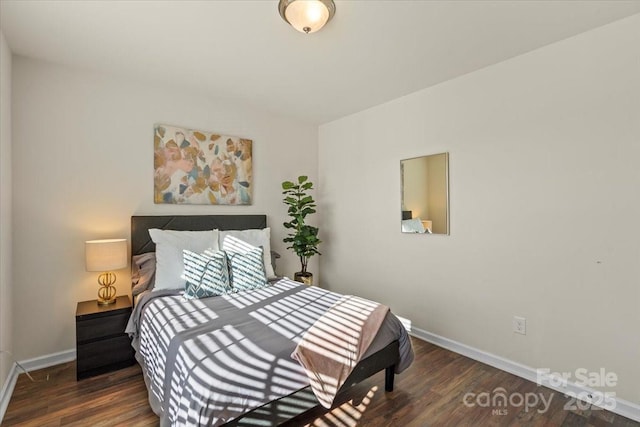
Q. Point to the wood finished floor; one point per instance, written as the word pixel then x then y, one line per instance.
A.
pixel 429 393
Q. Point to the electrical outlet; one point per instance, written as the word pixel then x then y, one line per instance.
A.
pixel 519 325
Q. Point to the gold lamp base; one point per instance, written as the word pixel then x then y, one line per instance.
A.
pixel 106 292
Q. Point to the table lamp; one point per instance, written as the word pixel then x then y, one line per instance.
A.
pixel 105 256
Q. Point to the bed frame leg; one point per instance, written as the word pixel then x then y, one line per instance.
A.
pixel 389 375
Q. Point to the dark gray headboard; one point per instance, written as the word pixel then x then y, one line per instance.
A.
pixel 141 241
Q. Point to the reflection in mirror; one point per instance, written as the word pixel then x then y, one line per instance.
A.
pixel 425 194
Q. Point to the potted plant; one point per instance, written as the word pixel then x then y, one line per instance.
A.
pixel 302 237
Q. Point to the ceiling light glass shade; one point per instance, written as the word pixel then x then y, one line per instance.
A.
pixel 307 16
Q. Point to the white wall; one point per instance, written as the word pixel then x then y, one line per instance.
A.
pixel 545 206
pixel 416 194
pixel 83 164
pixel 6 282
pixel 437 192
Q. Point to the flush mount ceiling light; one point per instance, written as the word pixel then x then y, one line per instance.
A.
pixel 307 16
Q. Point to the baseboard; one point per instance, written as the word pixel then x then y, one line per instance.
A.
pixel 620 406
pixel 49 360
pixel 7 390
pixel 30 365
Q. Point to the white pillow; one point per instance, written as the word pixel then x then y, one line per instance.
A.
pixel 170 245
pixel 245 240
pixel 412 226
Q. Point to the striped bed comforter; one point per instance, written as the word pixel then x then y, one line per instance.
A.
pixel 208 361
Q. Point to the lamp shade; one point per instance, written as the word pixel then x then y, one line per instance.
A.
pixel 307 16
pixel 105 255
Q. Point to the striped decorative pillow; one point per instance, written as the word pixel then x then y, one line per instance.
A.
pixel 207 274
pixel 247 269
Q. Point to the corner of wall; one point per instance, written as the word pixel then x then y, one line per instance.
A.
pixel 6 277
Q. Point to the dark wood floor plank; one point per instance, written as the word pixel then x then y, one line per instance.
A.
pixel 430 393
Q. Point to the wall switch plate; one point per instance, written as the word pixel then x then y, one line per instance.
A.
pixel 519 325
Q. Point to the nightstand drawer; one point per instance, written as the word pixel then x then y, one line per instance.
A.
pixel 101 344
pixel 101 327
pixel 98 354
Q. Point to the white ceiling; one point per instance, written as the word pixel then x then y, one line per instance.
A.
pixel 370 53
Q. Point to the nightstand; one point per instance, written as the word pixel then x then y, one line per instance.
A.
pixel 101 344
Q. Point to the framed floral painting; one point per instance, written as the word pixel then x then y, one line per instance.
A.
pixel 201 168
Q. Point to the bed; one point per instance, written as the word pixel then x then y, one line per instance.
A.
pixel 227 359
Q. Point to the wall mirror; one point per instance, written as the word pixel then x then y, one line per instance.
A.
pixel 425 194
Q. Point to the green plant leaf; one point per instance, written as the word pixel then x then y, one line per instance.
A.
pixel 302 238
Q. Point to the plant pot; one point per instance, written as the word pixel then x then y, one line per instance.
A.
pixel 306 278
